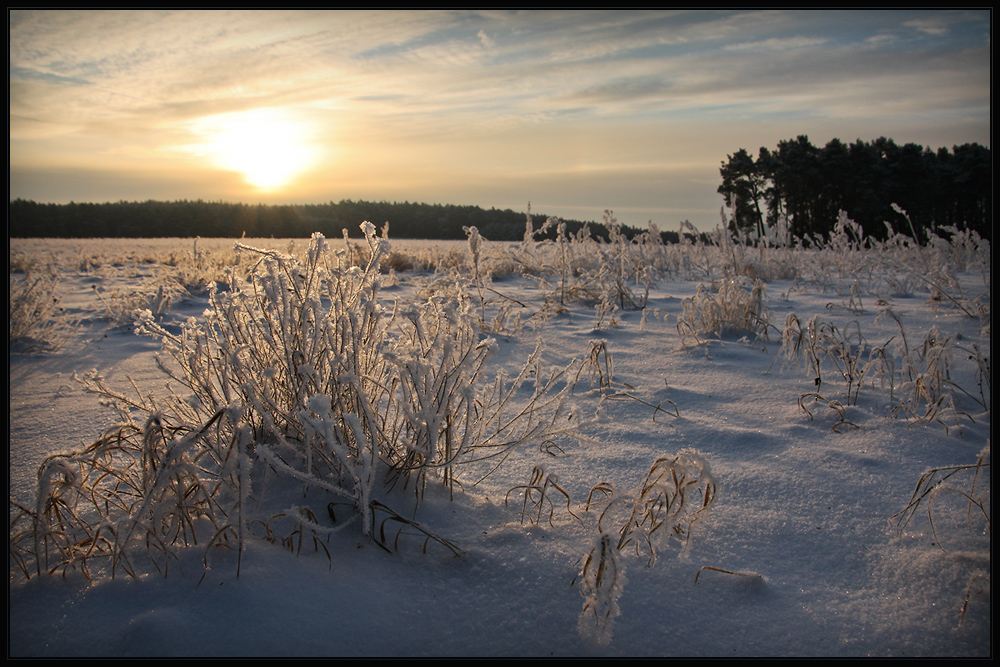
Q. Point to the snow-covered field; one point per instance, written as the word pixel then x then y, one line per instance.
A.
pixel 802 550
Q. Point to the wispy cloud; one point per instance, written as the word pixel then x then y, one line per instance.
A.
pixel 778 44
pixel 931 26
pixel 28 74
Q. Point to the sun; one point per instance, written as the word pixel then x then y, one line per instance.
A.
pixel 269 147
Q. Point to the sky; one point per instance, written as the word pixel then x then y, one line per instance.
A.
pixel 573 111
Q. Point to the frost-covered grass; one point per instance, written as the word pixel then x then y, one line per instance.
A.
pixel 551 447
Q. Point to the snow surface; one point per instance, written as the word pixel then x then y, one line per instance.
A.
pixel 802 512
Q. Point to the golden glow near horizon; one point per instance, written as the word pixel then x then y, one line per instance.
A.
pixel 269 147
pixel 574 111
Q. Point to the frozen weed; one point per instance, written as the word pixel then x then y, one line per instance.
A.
pixel 853 303
pixel 530 254
pixel 293 540
pixel 823 344
pixel 504 319
pixel 599 365
pixel 753 576
pixel 576 268
pixel 601 581
pixel 676 492
pixel 808 400
pixel 475 251
pixel 536 498
pixel 620 267
pixel 624 395
pixel 974 492
pixel 35 322
pixel 918 378
pixel 605 312
pixel 136 489
pixel 406 528
pixel 198 271
pixel 970 485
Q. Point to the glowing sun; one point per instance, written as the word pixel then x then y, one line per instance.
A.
pixel 268 146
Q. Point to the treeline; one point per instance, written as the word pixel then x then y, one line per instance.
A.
pixel 156 219
pixel 807 187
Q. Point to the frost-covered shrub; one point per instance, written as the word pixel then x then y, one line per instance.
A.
pixel 299 394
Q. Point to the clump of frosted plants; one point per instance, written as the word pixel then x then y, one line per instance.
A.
pixel 735 308
pixel 620 267
pixel 587 270
pixel 922 385
pixel 301 379
pixel 121 307
pixel 34 322
pixel 676 492
pixel 919 382
pixel 199 269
